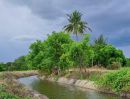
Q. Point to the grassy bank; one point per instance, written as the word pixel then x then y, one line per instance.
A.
pixel 108 81
pixel 116 81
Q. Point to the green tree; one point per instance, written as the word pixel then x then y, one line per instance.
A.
pixel 2 67
pixel 110 54
pixel 20 64
pixel 33 58
pixel 76 25
pixel 80 53
pixel 45 55
pixel 99 43
pixel 128 62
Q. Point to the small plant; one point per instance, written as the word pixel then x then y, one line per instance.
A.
pixel 94 77
pixel 114 65
pixel 4 95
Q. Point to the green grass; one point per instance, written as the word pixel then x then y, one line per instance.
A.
pixel 117 81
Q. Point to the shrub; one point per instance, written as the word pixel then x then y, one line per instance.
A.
pixel 117 80
pixel 5 95
pixel 114 65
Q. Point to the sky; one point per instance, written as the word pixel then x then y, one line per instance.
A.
pixel 24 21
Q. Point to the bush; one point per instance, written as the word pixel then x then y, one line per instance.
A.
pixel 114 65
pixel 117 81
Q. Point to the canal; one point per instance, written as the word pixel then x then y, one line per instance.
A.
pixel 55 90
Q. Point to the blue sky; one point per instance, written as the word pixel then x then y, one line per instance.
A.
pixel 24 21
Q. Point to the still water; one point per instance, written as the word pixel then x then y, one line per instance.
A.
pixel 55 90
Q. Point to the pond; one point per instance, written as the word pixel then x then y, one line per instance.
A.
pixel 55 90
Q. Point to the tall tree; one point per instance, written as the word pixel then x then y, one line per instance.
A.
pixel 76 25
pixel 100 40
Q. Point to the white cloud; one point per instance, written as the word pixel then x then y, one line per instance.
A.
pixel 26 38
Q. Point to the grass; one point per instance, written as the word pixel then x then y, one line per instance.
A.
pixel 6 95
pixel 117 81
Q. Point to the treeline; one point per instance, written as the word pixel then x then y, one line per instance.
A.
pixel 62 52
pixel 18 64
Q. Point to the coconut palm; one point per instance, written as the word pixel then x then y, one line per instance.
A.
pixel 76 25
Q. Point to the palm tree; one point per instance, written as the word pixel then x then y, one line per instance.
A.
pixel 76 25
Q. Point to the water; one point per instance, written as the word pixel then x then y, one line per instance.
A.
pixel 55 90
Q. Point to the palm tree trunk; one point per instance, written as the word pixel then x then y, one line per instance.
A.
pixel 76 36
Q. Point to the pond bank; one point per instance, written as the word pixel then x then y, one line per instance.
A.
pixel 19 89
pixel 87 84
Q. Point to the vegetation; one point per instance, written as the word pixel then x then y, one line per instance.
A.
pixel 128 62
pixel 46 55
pixel 106 54
pixel 118 81
pixel 18 64
pixel 10 88
pixel 76 25
pixel 61 52
pixel 6 95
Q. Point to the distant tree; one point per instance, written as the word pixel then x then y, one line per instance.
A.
pixel 100 40
pixel 76 25
pixel 2 67
pixel 20 64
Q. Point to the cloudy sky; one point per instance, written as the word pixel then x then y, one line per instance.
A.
pixel 24 21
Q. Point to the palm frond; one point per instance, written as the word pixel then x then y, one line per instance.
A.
pixel 76 25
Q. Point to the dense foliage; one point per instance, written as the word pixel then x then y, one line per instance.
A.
pixel 61 52
pixel 106 54
pixel 2 67
pixel 46 55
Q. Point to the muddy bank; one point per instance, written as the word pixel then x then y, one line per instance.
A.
pixel 13 86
